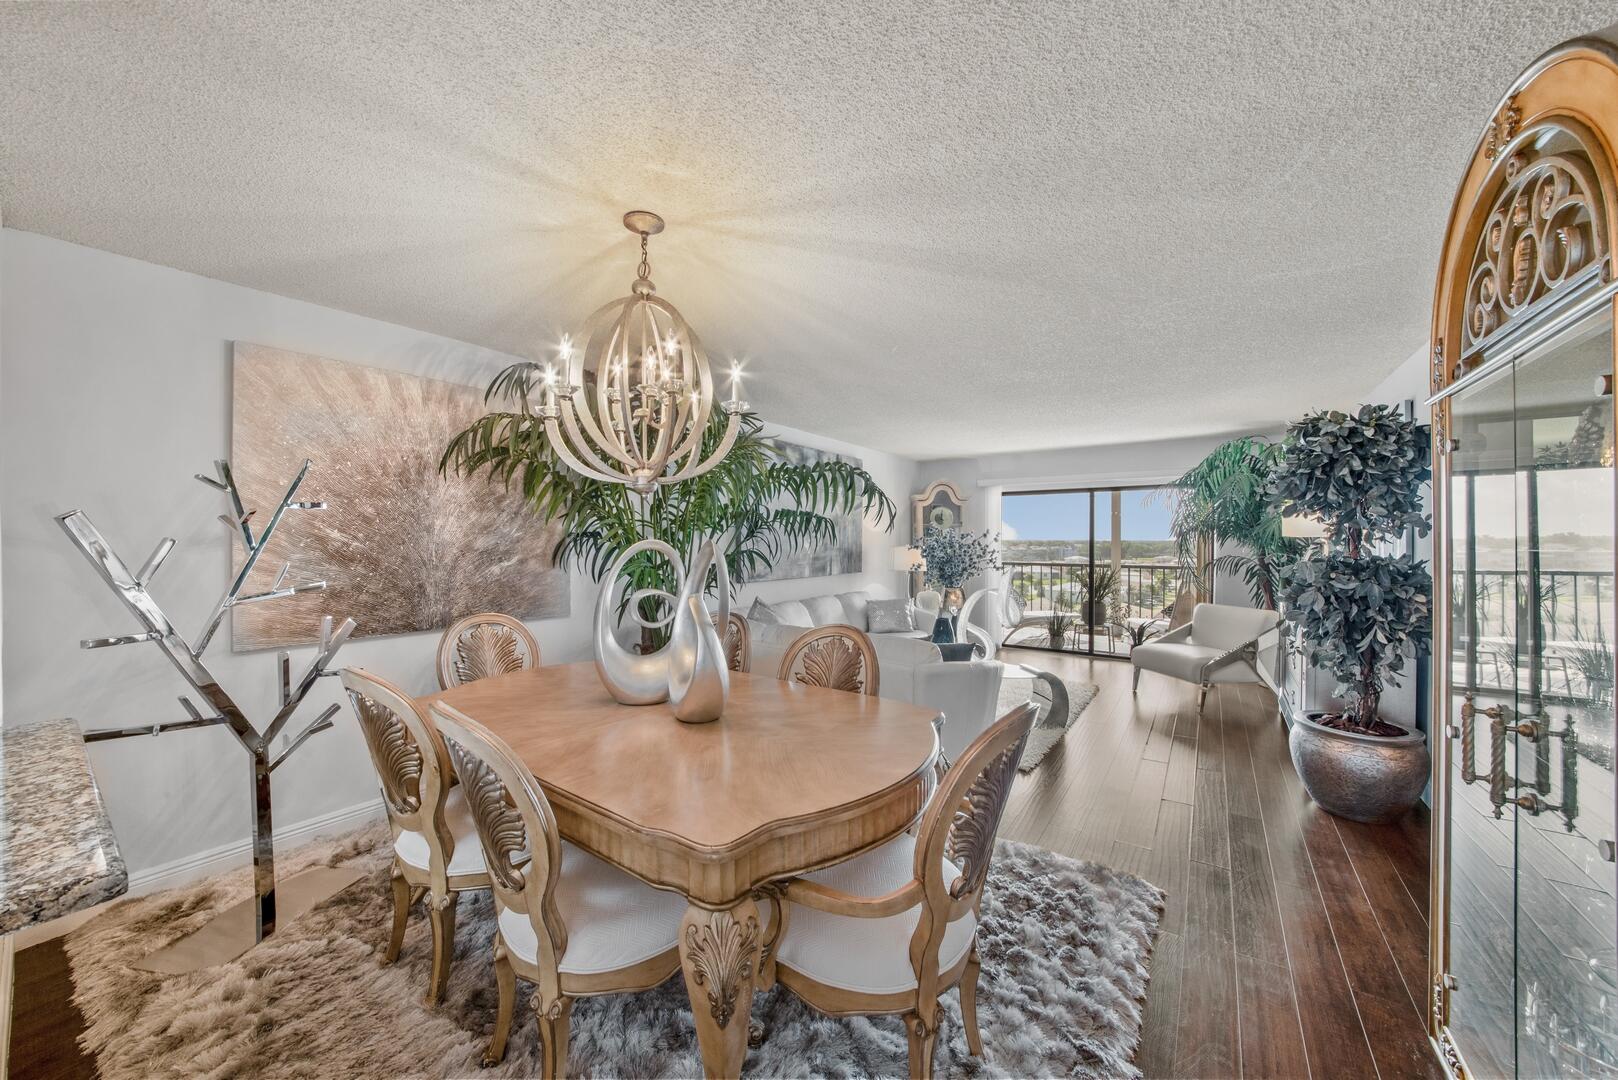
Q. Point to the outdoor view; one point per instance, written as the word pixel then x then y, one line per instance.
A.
pixel 1095 570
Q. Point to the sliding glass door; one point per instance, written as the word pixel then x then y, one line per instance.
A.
pixel 1094 568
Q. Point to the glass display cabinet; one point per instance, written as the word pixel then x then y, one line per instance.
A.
pixel 1524 920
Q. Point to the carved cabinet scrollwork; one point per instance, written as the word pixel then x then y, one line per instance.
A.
pixel 1524 964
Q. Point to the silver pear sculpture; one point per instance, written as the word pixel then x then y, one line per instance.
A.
pixel 690 671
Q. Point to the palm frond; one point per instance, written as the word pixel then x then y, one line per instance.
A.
pixel 765 506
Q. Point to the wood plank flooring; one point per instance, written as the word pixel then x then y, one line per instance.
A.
pixel 1292 945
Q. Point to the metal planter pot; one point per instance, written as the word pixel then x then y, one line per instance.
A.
pixel 1366 778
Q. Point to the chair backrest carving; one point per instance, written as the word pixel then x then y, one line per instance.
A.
pixel 837 657
pixel 409 759
pixel 521 843
pixel 738 641
pixel 483 645
pixel 960 825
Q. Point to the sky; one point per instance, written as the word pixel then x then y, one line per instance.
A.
pixel 1066 516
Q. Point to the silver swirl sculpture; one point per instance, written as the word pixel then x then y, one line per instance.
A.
pixel 690 671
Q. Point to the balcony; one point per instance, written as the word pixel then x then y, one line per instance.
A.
pixel 1058 613
pixel 1573 654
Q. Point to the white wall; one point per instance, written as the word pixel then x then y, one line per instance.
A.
pixel 116 389
pixel 1407 382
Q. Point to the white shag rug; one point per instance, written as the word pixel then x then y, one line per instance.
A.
pixel 1065 948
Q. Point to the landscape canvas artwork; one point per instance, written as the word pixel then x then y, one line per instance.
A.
pixel 401 548
pixel 845 556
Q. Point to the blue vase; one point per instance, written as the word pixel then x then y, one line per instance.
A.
pixel 943 629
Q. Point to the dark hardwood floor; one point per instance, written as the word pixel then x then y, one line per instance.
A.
pixel 1293 944
pixel 45 1024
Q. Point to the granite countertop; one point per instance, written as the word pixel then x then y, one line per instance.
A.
pixel 57 850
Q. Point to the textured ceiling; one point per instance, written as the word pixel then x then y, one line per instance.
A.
pixel 934 229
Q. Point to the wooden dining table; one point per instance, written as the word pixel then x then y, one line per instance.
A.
pixel 790 779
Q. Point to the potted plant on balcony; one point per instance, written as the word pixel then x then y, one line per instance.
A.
pixel 1361 611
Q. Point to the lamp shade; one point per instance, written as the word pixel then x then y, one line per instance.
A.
pixel 1303 527
pixel 908 560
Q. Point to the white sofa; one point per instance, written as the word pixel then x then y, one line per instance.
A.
pixel 912 668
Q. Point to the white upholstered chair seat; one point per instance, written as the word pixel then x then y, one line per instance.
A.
pixel 1221 644
pixel 613 920
pixel 870 956
pixel 1185 661
pixel 468 855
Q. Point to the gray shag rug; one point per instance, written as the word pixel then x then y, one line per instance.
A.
pixel 1048 732
pixel 1065 947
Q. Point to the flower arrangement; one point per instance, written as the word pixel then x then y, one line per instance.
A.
pixel 955 556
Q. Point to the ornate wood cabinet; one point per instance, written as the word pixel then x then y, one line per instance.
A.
pixel 1523 913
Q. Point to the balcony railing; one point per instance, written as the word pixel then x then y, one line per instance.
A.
pixel 1577 659
pixel 1060 593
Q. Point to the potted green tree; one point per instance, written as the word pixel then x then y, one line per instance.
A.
pixel 766 506
pixel 1223 501
pixel 1361 611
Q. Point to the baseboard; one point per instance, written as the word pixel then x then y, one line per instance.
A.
pixel 189 868
pixel 195 867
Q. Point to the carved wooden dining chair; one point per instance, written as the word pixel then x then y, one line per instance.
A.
pixel 838 657
pixel 566 921
pixel 891 930
pixel 482 645
pixel 738 641
pixel 435 848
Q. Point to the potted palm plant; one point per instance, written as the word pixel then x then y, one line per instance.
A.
pixel 763 504
pixel 1224 499
pixel 1361 611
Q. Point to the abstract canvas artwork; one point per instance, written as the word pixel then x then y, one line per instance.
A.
pixel 401 548
pixel 845 556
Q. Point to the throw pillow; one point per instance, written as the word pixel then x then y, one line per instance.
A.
pixel 890 616
pixel 762 614
pixel 792 613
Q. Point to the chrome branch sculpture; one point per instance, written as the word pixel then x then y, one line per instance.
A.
pixel 689 672
pixel 133 590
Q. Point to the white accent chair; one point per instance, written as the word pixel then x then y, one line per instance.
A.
pixel 984 604
pixel 1221 644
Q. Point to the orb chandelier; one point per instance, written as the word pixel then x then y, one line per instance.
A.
pixel 632 406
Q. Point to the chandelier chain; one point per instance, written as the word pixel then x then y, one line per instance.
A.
pixel 644 270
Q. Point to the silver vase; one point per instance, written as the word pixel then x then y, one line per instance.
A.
pixel 699 679
pixel 632 678
pixel 690 671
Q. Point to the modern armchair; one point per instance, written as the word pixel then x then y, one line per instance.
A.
pixel 1221 644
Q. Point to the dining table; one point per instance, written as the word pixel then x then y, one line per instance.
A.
pixel 790 779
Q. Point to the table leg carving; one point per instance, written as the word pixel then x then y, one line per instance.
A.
pixel 719 956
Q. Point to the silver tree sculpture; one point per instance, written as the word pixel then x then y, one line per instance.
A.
pixel 133 590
